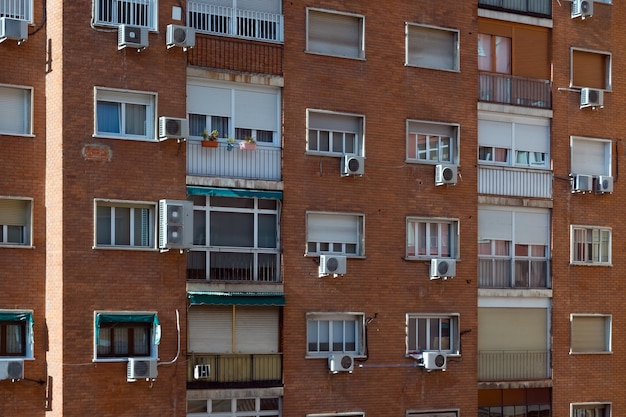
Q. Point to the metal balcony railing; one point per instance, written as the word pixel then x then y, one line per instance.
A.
pixel 503 365
pixel 538 8
pixel 517 182
pixel 233 265
pixel 16 9
pixel 513 90
pixel 497 273
pixel 131 12
pixel 232 370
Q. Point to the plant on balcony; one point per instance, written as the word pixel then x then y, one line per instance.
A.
pixel 209 140
pixel 248 144
pixel 230 144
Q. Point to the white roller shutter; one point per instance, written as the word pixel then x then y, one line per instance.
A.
pixel 257 329
pixel 532 227
pixel 210 329
pixel 495 224
pixel 332 228
pixel 214 101
pixel 256 110
pixel 493 133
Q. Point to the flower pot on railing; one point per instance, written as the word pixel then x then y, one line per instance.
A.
pixel 248 144
pixel 209 140
pixel 210 143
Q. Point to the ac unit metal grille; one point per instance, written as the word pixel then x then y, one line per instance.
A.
pixel 180 35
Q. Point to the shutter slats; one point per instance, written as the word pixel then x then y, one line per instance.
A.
pixel 14 212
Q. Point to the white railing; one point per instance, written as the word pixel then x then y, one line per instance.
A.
pixel 261 164
pixel 130 12
pixel 17 9
pixel 220 20
pixel 503 365
pixel 518 182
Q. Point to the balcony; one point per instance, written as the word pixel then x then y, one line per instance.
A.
pixel 261 164
pixel 236 371
pixel 16 9
pixel 513 90
pixel 497 273
pixel 515 182
pixel 537 8
pixel 234 265
pixel 502 365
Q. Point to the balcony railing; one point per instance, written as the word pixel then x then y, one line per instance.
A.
pixel 236 371
pixel 497 273
pixel 517 91
pixel 16 9
pixel 221 20
pixel 231 265
pixel 538 8
pixel 130 12
pixel 502 365
pixel 261 164
pixel 516 182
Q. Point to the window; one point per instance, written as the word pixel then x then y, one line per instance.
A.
pixel 590 333
pixel 432 142
pixel 234 111
pixel 15 221
pixel 235 407
pixel 126 334
pixel 591 156
pixel 337 233
pixel 432 238
pixel 432 332
pixel 16 105
pixel 235 238
pixel 515 402
pixel 125 115
pixel 347 414
pixel 16 333
pixel 335 134
pixel 590 69
pixel 522 142
pixel 334 333
pixel 494 53
pixel 432 47
pixel 17 9
pixel 333 33
pixel 591 409
pixel 591 245
pixel 124 224
pixel 433 413
pixel 513 247
pixel 129 12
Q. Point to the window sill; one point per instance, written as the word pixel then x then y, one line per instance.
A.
pixel 317 255
pixel 433 163
pixel 129 248
pixel 15 246
pixel 431 68
pixel 605 264
pixel 116 25
pixel 135 138
pixel 591 353
pixel 330 154
pixel 428 258
pixel 120 359
pixel 356 58
pixel 327 355
pixel 18 135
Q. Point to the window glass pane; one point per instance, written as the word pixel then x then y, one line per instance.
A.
pixel 267 204
pixel 122 226
pixel 246 404
pixel 120 340
pixel 197 124
pixel 103 225
pixel 324 336
pixel 15 234
pixel 267 231
pixel 141 232
pixel 14 339
pixel 220 124
pixel 232 229
pixel 232 202
pixel 221 405
pixel 264 136
pixel 199 227
pixel 108 114
pixel 337 327
pixel 104 341
pixel 432 48
pixel 422 328
pixel 350 336
pixel 141 343
pixel 312 335
pixel 135 119
pixel 269 404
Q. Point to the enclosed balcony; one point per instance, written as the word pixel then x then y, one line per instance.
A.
pixel 234 370
pixel 537 8
pixel 514 90
pixel 222 265
pixel 511 365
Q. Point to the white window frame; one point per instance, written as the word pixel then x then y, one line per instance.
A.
pixel 14 108
pixel 347 414
pixel 591 249
pixel 149 21
pixel 155 334
pixel 412 321
pixel 608 77
pixel 340 134
pixel 204 406
pixel 578 409
pixel 28 334
pixel 433 413
pixel 412 237
pixel 411 60
pixel 432 131
pixel 23 10
pixel 335 318
pixel 152 210
pixel 584 157
pixel 608 333
pixel 325 46
pixel 26 218
pixel 123 98
pixel 316 247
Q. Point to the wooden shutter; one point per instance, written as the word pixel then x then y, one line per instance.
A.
pixel 531 53
pixel 589 69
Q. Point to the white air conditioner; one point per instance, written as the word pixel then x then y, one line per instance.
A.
pixel 175 224
pixel 591 97
pixel 445 174
pixel 13 29
pixel 332 265
pixel 182 36
pixel 340 362
pixel 173 128
pixel 604 184
pixel 11 369
pixel 442 268
pixel 434 361
pixel 141 368
pixel 582 8
pixel 582 183
pixel 132 37
pixel 201 371
pixel 352 165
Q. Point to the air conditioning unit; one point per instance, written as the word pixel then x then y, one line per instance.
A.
pixel 604 184
pixel 582 8
pixel 582 183
pixel 201 371
pixel 12 369
pixel 13 29
pixel 591 97
pixel 332 265
pixel 182 36
pixel 352 165
pixel 340 362
pixel 141 368
pixel 434 361
pixel 173 128
pixel 445 174
pixel 442 268
pixel 132 37
pixel 175 224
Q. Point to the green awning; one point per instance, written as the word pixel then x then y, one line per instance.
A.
pixel 234 192
pixel 237 298
pixel 16 316
pixel 129 318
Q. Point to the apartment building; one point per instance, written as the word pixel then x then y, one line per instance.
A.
pixel 223 208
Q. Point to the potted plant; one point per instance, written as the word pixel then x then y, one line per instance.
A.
pixel 230 144
pixel 248 144
pixel 209 140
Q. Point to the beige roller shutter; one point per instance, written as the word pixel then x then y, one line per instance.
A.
pixel 512 329
pixel 210 329
pixel 256 329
